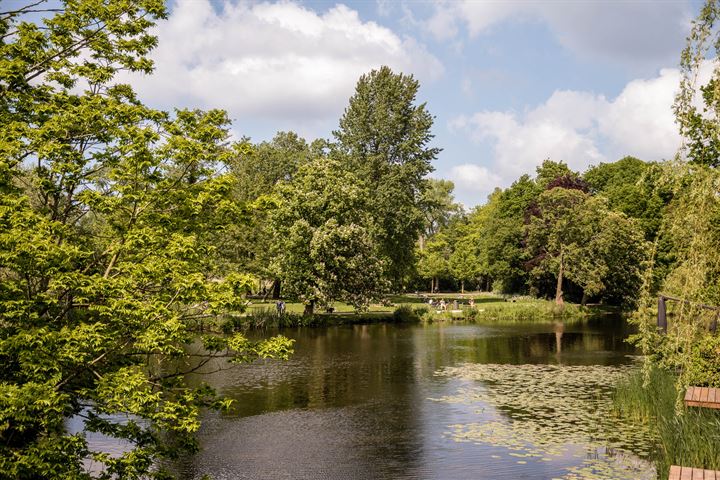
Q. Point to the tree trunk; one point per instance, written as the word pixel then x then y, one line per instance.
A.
pixel 309 309
pixel 432 285
pixel 276 289
pixel 487 284
pixel 584 299
pixel 558 288
pixel 462 286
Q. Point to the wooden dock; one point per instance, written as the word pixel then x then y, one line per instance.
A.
pixel 688 473
pixel 702 397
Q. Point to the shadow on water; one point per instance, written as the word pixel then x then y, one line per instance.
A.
pixel 356 401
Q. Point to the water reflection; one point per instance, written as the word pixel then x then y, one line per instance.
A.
pixel 354 402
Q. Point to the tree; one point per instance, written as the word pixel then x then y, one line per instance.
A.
pixel 438 206
pixel 573 236
pixel 106 212
pixel 499 229
pixel 464 263
pixel 549 171
pixel 555 234
pixel 619 242
pixel 384 139
pixel 326 248
pixel 433 260
pixel 700 128
pixel 257 169
pixel 629 186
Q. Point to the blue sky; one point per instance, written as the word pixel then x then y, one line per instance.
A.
pixel 510 83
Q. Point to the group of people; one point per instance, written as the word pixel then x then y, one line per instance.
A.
pixel 280 307
pixel 443 305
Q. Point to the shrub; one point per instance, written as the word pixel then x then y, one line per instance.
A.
pixel 405 314
pixel 704 364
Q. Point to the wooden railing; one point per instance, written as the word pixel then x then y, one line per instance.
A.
pixel 662 311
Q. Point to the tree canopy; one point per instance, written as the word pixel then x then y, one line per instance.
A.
pixel 384 137
pixel 326 245
pixel 106 264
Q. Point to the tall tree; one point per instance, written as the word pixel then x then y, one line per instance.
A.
pixel 464 263
pixel 326 248
pixel 257 169
pixel 699 126
pixel 574 237
pixel 433 260
pixel 438 205
pixel 499 226
pixel 384 137
pixel 555 232
pixel 629 186
pixel 105 267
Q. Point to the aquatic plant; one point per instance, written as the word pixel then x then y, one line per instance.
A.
pixel 692 438
pixel 547 412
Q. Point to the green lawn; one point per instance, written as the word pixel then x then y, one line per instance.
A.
pixel 481 299
pixel 297 307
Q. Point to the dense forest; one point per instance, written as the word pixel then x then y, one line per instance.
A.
pixel 122 227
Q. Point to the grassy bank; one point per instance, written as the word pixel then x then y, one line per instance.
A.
pixel 686 436
pixel 409 308
pixel 259 318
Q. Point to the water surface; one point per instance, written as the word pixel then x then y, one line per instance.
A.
pixel 418 401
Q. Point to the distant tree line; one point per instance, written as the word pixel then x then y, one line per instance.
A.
pixel 560 234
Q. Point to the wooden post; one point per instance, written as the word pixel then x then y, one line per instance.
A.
pixel 662 314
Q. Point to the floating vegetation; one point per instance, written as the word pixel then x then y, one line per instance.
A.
pixel 549 412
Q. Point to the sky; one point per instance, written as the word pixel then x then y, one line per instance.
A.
pixel 510 83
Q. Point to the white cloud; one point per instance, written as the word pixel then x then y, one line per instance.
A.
pixel 630 31
pixel 640 120
pixel 273 61
pixel 579 128
pixel 471 180
pixel 443 25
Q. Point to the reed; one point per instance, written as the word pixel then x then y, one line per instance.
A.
pixel 685 436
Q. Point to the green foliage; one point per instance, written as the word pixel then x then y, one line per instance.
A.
pixel 108 214
pixel 499 228
pixel 629 186
pixel 326 245
pixel 438 205
pixel 549 171
pixel 704 364
pixel 691 438
pixel 526 234
pixel 433 259
pixel 255 170
pixel 383 139
pixel 259 168
pixel 574 235
pixel 700 127
pixel 463 263
pixel 407 314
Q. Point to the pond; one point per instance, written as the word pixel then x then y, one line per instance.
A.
pixel 439 401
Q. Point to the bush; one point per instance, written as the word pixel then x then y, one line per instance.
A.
pixel 267 318
pixel 704 363
pixel 406 314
